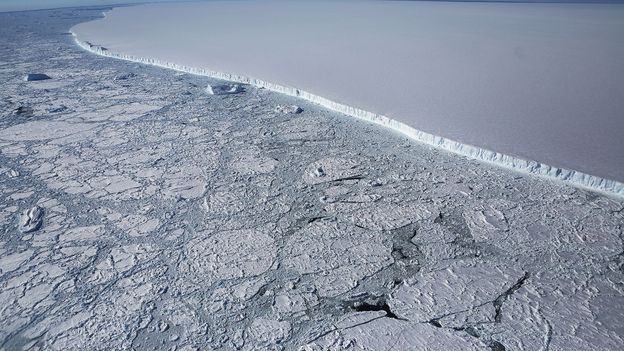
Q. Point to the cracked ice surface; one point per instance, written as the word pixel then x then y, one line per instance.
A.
pixel 143 213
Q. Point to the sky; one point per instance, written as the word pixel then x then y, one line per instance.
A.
pixel 18 5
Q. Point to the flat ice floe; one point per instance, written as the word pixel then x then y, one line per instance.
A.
pixel 541 82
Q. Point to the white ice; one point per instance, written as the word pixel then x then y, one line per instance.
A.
pixel 542 82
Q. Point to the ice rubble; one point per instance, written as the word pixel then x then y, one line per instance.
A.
pixel 294 109
pixel 568 176
pixel 31 77
pixel 22 110
pixel 31 219
pixel 224 89
pixel 125 76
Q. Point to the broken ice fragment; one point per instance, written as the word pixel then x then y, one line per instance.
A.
pixel 376 182
pixel 269 331
pixel 31 77
pixel 288 109
pixel 319 172
pixel 332 169
pixel 224 89
pixel 57 109
pixel 125 76
pixel 163 326
pixel 22 110
pixel 326 199
pixel 31 219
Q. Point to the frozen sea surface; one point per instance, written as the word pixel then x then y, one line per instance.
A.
pixel 139 212
pixel 543 82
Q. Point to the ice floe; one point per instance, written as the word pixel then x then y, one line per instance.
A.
pixel 224 89
pixel 31 77
pixel 293 109
pixel 31 219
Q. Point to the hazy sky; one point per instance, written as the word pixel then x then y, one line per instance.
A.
pixel 16 5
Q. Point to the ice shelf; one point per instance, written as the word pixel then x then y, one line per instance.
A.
pixel 516 159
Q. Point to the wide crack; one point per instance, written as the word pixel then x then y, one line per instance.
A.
pixel 374 304
pixel 498 302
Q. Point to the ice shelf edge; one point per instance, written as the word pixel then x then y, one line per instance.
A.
pixel 570 177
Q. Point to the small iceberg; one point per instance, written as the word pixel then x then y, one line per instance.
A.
pixel 23 111
pixel 31 77
pixel 224 89
pixel 288 109
pixel 31 219
pixel 125 76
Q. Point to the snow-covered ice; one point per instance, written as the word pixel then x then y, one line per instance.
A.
pixel 147 214
pixel 31 219
pixel 537 82
pixel 224 89
pixel 31 77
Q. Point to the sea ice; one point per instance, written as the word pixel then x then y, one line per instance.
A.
pixel 224 89
pixel 288 109
pixel 159 233
pixel 31 219
pixel 31 77
pixel 125 76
